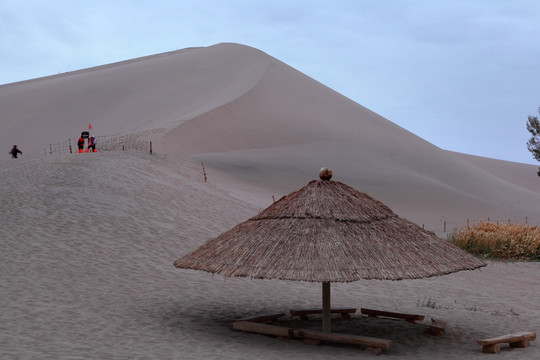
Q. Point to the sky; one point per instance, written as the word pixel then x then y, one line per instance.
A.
pixel 463 75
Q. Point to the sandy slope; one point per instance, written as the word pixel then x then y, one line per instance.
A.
pixel 266 125
pixel 87 242
pixel 288 125
pixel 87 249
pixel 523 175
pixel 150 93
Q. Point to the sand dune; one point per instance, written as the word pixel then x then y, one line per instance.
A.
pixel 289 124
pixel 88 241
pixel 251 117
pixel 150 93
pixel 87 249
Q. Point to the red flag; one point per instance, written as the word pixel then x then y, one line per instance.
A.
pixel 89 126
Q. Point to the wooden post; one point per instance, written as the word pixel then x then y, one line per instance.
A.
pixel 204 171
pixel 326 306
pixel 444 225
pixel 150 148
pixel 122 139
pixel 273 199
pixel 70 150
pixel 50 149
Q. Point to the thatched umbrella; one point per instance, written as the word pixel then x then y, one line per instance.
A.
pixel 328 232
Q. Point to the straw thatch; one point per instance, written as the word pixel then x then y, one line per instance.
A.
pixel 328 232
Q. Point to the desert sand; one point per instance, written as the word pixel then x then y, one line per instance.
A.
pixel 89 240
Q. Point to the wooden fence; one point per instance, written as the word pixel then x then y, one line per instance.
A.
pixel 116 142
pixel 447 227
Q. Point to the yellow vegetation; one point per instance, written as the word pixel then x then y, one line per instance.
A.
pixel 500 241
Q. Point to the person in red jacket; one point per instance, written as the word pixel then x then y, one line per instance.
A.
pixel 80 144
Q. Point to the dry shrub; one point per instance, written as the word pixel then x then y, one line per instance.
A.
pixel 500 241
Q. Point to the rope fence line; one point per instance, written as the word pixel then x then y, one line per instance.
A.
pixel 117 142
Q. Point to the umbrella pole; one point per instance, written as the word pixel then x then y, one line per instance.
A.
pixel 326 306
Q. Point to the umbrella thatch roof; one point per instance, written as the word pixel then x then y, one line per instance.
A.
pixel 328 232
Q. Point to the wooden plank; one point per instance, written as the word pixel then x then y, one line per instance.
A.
pixel 374 351
pixel 261 328
pixel 263 318
pixel 299 312
pixel 374 345
pixel 438 327
pixel 408 317
pixel 508 338
pixel 343 338
pixel 491 349
pixel 520 344
pixel 519 339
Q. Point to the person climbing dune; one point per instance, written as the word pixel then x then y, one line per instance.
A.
pixel 15 152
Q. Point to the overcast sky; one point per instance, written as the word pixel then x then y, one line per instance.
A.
pixel 464 75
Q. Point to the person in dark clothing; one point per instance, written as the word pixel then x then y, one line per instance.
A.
pixel 80 144
pixel 91 144
pixel 15 152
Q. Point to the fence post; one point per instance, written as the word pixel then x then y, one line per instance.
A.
pixel 150 148
pixel 204 171
pixel 122 141
pixel 69 141
pixel 444 225
pixel 50 149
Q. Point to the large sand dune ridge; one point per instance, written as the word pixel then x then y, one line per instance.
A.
pixel 88 240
